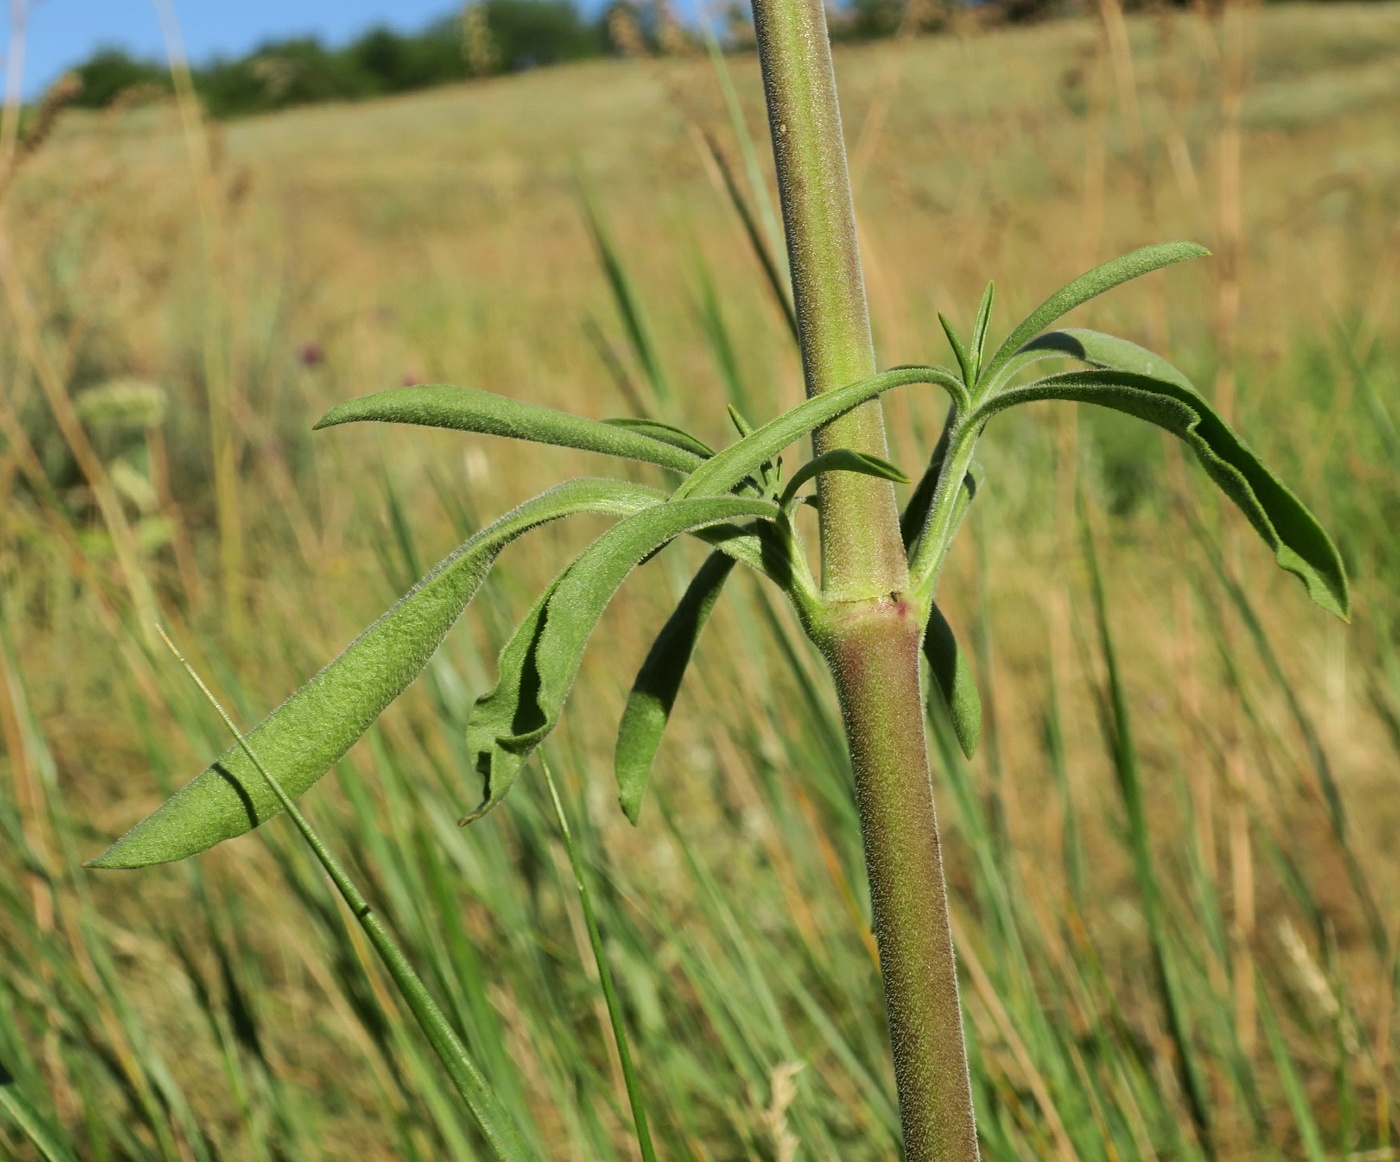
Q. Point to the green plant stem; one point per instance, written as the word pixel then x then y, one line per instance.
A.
pixel 871 630
pixel 862 553
pixel 490 1115
pixel 605 977
pixel 874 653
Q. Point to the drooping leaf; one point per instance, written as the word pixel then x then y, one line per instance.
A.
pixel 666 433
pixel 308 733
pixel 659 681
pixel 467 409
pixel 538 665
pixel 1299 542
pixel 1087 286
pixel 726 468
pixel 952 678
pixel 1105 351
pixel 841 460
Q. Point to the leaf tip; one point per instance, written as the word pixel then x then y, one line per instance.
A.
pixel 969 735
pixel 333 417
pixel 113 859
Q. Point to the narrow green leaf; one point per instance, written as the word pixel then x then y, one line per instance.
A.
pixel 774 274
pixel 1094 348
pixel 960 352
pixel 666 433
pixel 1297 1096
pixel 625 297
pixel 18 1110
pixel 1087 286
pixel 1299 542
pixel 841 460
pixel 979 330
pixel 538 665
pixel 659 681
pixel 727 468
pixel 1104 351
pixel 721 341
pixel 466 409
pixel 952 678
pixel 640 1128
pixel 1116 722
pixel 736 417
pixel 485 1104
pixel 309 732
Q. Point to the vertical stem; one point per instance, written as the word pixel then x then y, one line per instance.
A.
pixel 875 657
pixel 862 552
pixel 871 636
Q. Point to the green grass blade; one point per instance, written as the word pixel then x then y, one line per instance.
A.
pixel 605 977
pixel 1123 751
pixel 542 658
pixel 659 681
pixel 625 297
pixel 1300 544
pixel 305 736
pixel 721 343
pixel 1298 1103
pixel 14 1106
pixel 495 1123
pixel 467 409
pixel 1087 286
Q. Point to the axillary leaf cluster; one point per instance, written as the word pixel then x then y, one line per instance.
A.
pixel 735 501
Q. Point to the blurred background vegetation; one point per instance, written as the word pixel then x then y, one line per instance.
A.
pixel 490 37
pixel 1175 909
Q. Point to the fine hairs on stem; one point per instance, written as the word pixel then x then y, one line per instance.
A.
pixel 871 610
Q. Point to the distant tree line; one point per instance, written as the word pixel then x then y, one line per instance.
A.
pixel 484 38
pixel 487 37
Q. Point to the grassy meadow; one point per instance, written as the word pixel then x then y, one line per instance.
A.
pixel 1174 860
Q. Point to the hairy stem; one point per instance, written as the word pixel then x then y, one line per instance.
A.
pixel 874 653
pixel 871 629
pixel 862 554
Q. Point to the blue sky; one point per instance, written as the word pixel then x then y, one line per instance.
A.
pixel 63 32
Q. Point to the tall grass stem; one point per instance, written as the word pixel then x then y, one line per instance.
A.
pixel 486 1107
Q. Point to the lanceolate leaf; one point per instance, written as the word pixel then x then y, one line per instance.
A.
pixel 1088 286
pixel 1100 350
pixel 725 469
pixel 466 409
pixel 659 681
pixel 841 460
pixel 1299 543
pixel 952 678
pixel 305 736
pixel 667 434
pixel 979 329
pixel 539 663
pixel 966 363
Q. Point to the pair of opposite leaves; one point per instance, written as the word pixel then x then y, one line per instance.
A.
pixel 314 728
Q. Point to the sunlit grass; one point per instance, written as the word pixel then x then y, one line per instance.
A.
pixel 228 1009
